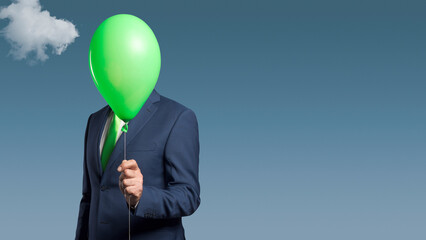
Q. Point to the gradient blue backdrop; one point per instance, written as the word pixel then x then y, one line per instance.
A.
pixel 311 114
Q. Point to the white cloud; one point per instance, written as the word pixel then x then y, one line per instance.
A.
pixel 31 30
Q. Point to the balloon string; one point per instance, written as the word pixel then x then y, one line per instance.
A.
pixel 124 129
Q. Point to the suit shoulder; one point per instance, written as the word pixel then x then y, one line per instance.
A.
pixel 99 113
pixel 100 110
pixel 171 105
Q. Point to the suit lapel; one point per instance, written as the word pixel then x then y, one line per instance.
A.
pixel 135 126
pixel 99 123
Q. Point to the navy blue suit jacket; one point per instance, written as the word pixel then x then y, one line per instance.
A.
pixel 163 139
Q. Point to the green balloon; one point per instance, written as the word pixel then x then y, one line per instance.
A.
pixel 125 62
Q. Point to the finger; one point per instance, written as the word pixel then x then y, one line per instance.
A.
pixel 129 173
pixel 123 176
pixel 130 182
pixel 130 190
pixel 129 164
pixel 120 168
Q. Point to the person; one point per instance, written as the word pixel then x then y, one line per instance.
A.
pixel 159 179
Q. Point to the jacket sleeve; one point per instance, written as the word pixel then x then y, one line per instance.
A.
pixel 83 216
pixel 181 197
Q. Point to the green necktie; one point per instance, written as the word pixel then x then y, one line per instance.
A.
pixel 110 140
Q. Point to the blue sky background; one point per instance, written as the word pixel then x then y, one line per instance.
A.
pixel 311 113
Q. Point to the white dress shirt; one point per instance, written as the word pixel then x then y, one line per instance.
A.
pixel 105 132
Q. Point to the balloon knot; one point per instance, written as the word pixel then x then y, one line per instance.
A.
pixel 125 127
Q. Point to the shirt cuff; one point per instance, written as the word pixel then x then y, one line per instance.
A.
pixel 132 208
pixel 136 205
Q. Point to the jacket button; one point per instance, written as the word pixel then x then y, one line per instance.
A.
pixel 103 188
